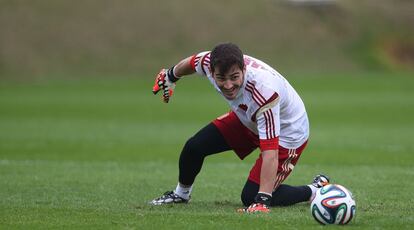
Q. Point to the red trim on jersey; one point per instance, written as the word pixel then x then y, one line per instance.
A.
pixel 206 60
pixel 256 95
pixel 273 129
pixel 272 98
pixel 192 62
pixel 202 62
pixel 266 116
pixel 270 124
pixel 269 144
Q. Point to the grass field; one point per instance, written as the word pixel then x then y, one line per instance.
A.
pixel 91 154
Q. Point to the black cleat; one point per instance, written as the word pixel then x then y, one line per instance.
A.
pixel 169 198
pixel 320 180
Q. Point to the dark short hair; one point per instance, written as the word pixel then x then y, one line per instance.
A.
pixel 224 56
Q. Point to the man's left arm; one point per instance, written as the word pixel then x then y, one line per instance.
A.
pixel 268 124
pixel 268 172
pixel 268 175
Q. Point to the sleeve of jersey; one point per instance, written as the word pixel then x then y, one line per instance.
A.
pixel 268 125
pixel 201 62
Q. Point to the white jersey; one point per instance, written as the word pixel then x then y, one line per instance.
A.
pixel 266 103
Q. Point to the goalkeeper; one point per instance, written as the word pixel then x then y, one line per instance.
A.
pixel 266 113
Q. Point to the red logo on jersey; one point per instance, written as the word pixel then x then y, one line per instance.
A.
pixel 243 107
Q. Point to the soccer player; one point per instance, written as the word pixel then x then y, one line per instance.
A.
pixel 266 112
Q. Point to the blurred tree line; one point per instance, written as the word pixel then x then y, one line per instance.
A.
pixel 50 38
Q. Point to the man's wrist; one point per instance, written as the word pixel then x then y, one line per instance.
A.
pixel 171 75
pixel 263 198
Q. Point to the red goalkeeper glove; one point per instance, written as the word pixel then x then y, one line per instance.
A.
pixel 255 208
pixel 165 81
pixel 261 204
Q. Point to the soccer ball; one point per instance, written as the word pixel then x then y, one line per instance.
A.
pixel 333 204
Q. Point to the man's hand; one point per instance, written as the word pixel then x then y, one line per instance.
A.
pixel 255 208
pixel 163 82
pixel 261 204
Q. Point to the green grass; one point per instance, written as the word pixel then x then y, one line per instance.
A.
pixel 91 154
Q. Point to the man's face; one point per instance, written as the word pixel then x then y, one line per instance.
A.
pixel 229 83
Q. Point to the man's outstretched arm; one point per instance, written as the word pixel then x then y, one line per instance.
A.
pixel 166 78
pixel 184 68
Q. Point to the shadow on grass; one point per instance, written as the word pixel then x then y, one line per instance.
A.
pixel 215 206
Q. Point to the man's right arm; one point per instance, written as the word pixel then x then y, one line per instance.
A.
pixel 183 68
pixel 166 78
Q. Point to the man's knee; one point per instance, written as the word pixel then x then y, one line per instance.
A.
pixel 191 146
pixel 246 199
pixel 249 192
